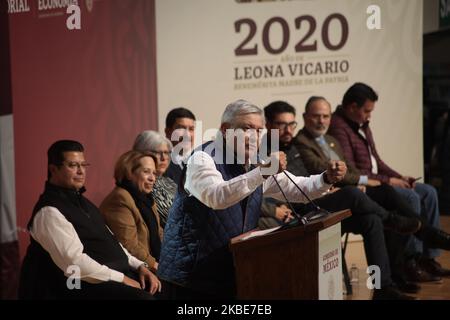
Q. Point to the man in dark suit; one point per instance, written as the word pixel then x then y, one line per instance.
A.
pixel 180 126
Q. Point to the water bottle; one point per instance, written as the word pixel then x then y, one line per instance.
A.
pixel 354 274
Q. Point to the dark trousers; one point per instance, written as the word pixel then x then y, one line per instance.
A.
pixel 176 292
pixel 348 198
pixel 33 287
pixel 366 219
pixel 390 199
pixel 109 290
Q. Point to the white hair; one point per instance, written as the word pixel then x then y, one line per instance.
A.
pixel 238 108
pixel 150 140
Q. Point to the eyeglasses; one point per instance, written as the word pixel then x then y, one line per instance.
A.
pixel 72 165
pixel 283 125
pixel 161 154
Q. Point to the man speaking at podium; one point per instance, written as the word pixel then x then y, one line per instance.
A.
pixel 220 198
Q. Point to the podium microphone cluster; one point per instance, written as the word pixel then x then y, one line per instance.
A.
pixel 316 213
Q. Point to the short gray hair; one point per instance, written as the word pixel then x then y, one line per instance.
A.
pixel 150 140
pixel 238 108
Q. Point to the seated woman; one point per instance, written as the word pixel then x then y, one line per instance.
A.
pixel 165 188
pixel 130 211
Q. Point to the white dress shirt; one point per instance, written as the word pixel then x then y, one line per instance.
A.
pixel 206 183
pixel 177 159
pixel 373 160
pixel 58 237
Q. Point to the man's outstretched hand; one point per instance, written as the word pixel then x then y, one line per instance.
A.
pixel 336 171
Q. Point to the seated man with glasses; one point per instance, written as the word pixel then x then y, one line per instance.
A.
pixel 282 126
pixel 70 242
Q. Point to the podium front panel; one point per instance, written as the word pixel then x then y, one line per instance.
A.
pixel 303 262
pixel 330 263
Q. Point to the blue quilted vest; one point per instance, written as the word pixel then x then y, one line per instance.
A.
pixel 194 251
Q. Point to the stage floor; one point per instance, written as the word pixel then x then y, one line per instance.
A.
pixel 430 291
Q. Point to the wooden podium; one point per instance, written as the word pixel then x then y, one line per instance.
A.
pixel 303 262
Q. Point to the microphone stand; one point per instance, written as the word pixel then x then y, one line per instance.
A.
pixel 298 218
pixel 316 213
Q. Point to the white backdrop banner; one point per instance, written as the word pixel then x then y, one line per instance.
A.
pixel 211 52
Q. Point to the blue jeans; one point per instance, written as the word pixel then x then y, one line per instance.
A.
pixel 423 199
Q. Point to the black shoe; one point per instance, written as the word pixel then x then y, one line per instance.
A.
pixel 435 238
pixel 406 286
pixel 414 273
pixel 390 293
pixel 401 224
pixel 433 267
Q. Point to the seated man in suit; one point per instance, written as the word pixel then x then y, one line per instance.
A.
pixel 350 126
pixel 317 148
pixel 69 238
pixel 368 218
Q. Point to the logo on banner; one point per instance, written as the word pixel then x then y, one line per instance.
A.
pixel 291 46
pixel 45 5
pixel 330 261
pixel 54 8
pixel 18 6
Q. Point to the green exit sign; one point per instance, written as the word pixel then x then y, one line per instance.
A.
pixel 444 13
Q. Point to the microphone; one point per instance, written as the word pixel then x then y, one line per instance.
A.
pixel 298 218
pixel 301 191
pixel 316 213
